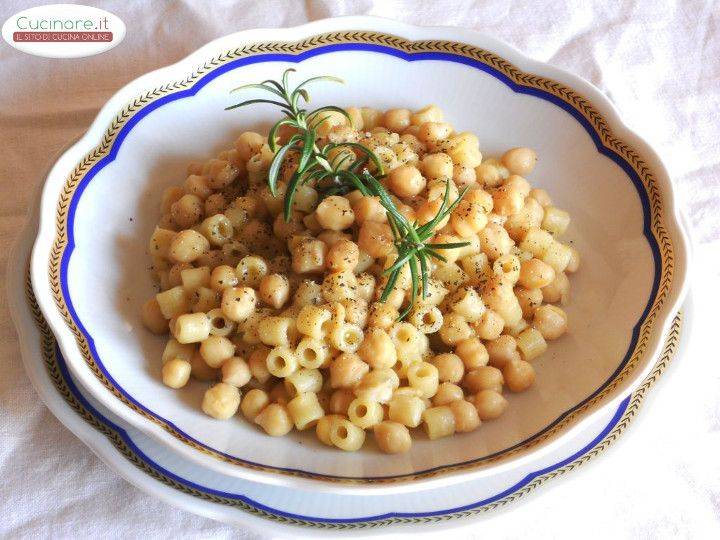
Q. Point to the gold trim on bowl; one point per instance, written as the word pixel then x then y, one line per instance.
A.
pixel 49 348
pixel 556 89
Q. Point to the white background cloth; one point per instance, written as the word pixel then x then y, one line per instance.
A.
pixel 659 61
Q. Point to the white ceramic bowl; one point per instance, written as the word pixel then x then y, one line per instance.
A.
pixel 99 206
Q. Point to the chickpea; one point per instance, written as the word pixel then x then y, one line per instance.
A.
pixel 382 315
pixel 396 119
pixel 236 372
pixel 484 378
pixel 215 204
pixel 481 197
pixel 466 416
pixel 495 241
pixel 464 175
pixel 248 144
pixel 238 303
pixel 221 401
pixel 529 300
pixel 551 321
pixel 446 394
pixel 431 134
pixel 335 213
pixel 275 420
pixel 176 373
pixel 274 290
pixel 187 246
pixel 343 256
pixel 187 211
pixel 347 370
pixel 392 437
pixel 472 352
pixel 502 350
pixel 430 113
pixel 339 286
pixel 216 349
pixel 253 403
pixel 153 318
pixel 200 370
pixel 541 196
pixel 519 160
pixel 257 362
pixel 519 375
pixel 490 325
pixel 490 404
pixel 557 291
pixel 437 166
pixel 507 200
pixel 406 181
pixel 377 349
pixel 574 263
pixel 376 239
pixel 287 229
pixel 222 277
pixel 455 329
pixel 369 209
pixel 450 367
pixel 535 274
pixel 468 218
pixel 427 211
pixel 371 118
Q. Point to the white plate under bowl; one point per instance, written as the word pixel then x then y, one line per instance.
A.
pixel 276 510
pixel 100 202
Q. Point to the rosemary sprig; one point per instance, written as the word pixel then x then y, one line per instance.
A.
pixel 347 174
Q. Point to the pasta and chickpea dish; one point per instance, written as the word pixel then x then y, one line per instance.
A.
pixel 358 270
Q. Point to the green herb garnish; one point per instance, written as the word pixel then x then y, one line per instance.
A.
pixel 338 178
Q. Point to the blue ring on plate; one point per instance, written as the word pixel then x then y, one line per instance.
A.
pixel 379 517
pixel 410 57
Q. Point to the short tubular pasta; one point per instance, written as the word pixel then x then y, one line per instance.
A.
pixel 365 413
pixel 303 380
pixel 175 349
pixel 305 410
pixel 407 410
pixel 345 435
pixel 346 337
pixel 301 300
pixel 439 422
pixel 277 331
pixel 281 361
pixel 427 319
pixel 322 428
pixel 220 325
pixel 425 377
pixel 250 270
pixel 191 328
pixel 312 353
pixel 311 321
pixel 217 229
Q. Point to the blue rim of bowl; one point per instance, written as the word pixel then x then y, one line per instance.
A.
pixel 119 134
pixel 58 371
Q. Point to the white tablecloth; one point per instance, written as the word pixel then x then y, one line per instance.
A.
pixel 659 61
